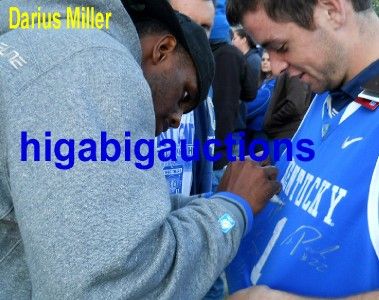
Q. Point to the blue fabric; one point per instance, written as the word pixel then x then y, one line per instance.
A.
pixel 207 195
pixel 217 290
pixel 245 205
pixel 221 28
pixel 257 108
pixel 205 129
pixel 216 178
pixel 341 97
pixel 179 173
pixel 201 129
pixel 314 239
pixel 354 86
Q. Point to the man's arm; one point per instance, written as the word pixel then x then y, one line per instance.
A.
pixel 106 229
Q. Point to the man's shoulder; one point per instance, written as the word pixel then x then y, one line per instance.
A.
pixel 67 43
pixel 227 49
pixel 253 55
pixel 43 51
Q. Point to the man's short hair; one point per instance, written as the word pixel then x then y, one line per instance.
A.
pixel 243 34
pixel 187 33
pixel 297 11
pixel 151 26
pixel 214 1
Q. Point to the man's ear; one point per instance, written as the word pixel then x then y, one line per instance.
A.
pixel 335 11
pixel 163 48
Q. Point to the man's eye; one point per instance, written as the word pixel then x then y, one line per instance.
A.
pixel 185 97
pixel 206 27
pixel 186 102
pixel 282 49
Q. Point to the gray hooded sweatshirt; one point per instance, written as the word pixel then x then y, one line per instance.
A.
pixel 100 230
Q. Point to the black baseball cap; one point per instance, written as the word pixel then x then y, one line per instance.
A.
pixel 189 34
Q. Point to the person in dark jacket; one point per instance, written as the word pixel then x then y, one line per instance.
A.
pixel 288 105
pixel 256 109
pixel 278 109
pixel 233 82
pixel 246 45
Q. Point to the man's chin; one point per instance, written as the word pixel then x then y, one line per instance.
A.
pixel 159 130
pixel 315 86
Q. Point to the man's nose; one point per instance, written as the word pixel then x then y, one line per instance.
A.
pixel 175 119
pixel 278 64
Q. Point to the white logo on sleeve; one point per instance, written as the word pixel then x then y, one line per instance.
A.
pixel 13 57
pixel 226 222
pixel 349 141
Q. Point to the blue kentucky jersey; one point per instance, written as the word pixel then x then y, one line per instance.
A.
pixel 320 236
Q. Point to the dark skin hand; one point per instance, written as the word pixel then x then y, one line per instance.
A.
pixel 251 181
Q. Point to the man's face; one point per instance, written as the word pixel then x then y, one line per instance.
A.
pixel 172 78
pixel 315 56
pixel 238 42
pixel 265 63
pixel 200 11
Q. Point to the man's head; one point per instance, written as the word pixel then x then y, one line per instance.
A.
pixel 170 72
pixel 242 40
pixel 176 59
pixel 311 39
pixel 297 11
pixel 200 11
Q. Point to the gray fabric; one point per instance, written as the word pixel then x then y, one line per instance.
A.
pixel 99 230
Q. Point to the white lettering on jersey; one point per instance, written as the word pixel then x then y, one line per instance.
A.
pixel 257 270
pixel 334 200
pixel 313 209
pixel 299 184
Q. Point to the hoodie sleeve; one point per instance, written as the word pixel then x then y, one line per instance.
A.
pixel 98 229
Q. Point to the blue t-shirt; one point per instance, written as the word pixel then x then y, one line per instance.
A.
pixel 320 236
pixel 191 177
pixel 178 173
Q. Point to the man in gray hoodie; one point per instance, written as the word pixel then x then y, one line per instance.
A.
pixel 105 230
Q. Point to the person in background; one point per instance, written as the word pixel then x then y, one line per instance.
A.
pixel 289 102
pixel 246 45
pixel 277 111
pixel 256 109
pixel 265 73
pixel 233 82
